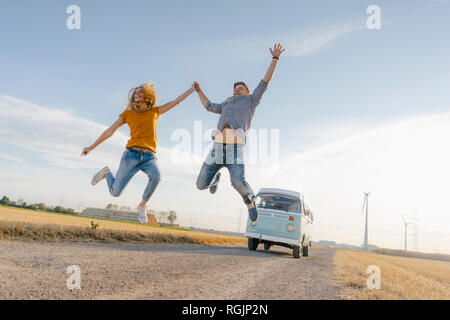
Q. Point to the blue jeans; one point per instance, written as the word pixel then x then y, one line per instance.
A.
pixel 230 156
pixel 132 161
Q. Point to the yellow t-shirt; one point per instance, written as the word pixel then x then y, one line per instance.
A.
pixel 142 128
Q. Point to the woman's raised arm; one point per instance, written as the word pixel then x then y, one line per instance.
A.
pixel 169 105
pixel 105 135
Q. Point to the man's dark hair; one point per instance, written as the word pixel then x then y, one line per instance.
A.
pixel 243 83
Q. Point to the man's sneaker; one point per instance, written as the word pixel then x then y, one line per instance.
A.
pixel 142 215
pixel 99 176
pixel 253 215
pixel 215 183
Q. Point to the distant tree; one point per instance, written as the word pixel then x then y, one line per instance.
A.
pixel 112 206
pixel 42 206
pixel 58 209
pixel 162 215
pixel 70 211
pixel 172 216
pixel 4 200
pixel 34 206
pixel 125 208
pixel 21 203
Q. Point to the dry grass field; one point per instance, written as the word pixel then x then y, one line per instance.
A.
pixel 401 277
pixel 412 254
pixel 25 225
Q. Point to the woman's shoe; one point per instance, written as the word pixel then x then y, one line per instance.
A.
pixel 99 176
pixel 142 214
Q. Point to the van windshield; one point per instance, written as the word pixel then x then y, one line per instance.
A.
pixel 278 202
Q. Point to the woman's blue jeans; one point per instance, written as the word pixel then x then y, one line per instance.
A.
pixel 230 156
pixel 132 161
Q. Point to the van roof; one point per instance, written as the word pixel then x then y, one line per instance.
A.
pixel 291 193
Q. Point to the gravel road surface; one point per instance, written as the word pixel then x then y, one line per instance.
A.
pixel 37 270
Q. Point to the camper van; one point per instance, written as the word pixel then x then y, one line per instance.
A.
pixel 284 219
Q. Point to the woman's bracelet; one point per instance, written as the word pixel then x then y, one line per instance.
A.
pixel 275 57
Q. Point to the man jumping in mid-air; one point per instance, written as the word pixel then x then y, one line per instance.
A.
pixel 236 114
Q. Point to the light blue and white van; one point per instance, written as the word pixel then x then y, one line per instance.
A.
pixel 284 219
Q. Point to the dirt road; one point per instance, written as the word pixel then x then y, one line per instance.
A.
pixel 39 271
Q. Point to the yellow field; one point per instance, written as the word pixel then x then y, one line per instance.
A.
pixel 412 254
pixel 26 224
pixel 401 277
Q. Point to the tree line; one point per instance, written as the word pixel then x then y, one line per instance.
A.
pixel 161 216
pixel 5 201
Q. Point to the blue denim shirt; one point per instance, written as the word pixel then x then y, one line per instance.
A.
pixel 237 112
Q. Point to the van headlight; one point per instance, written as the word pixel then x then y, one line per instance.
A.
pixel 290 227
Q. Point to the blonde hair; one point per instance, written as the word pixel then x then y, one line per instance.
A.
pixel 150 97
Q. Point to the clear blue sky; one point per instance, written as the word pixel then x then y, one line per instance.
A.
pixel 343 75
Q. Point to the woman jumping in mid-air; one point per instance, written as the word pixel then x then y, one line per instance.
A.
pixel 236 114
pixel 140 115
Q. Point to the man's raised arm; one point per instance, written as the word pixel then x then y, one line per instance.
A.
pixel 262 86
pixel 276 52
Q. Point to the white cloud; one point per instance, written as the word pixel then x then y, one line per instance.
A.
pixel 298 43
pixel 11 158
pixel 59 136
pixel 313 40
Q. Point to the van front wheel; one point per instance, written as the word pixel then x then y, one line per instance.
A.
pixel 305 250
pixel 296 252
pixel 253 243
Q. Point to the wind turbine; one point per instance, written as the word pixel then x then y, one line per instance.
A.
pixel 366 230
pixel 406 232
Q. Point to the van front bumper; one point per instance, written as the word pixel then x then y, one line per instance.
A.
pixel 272 238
